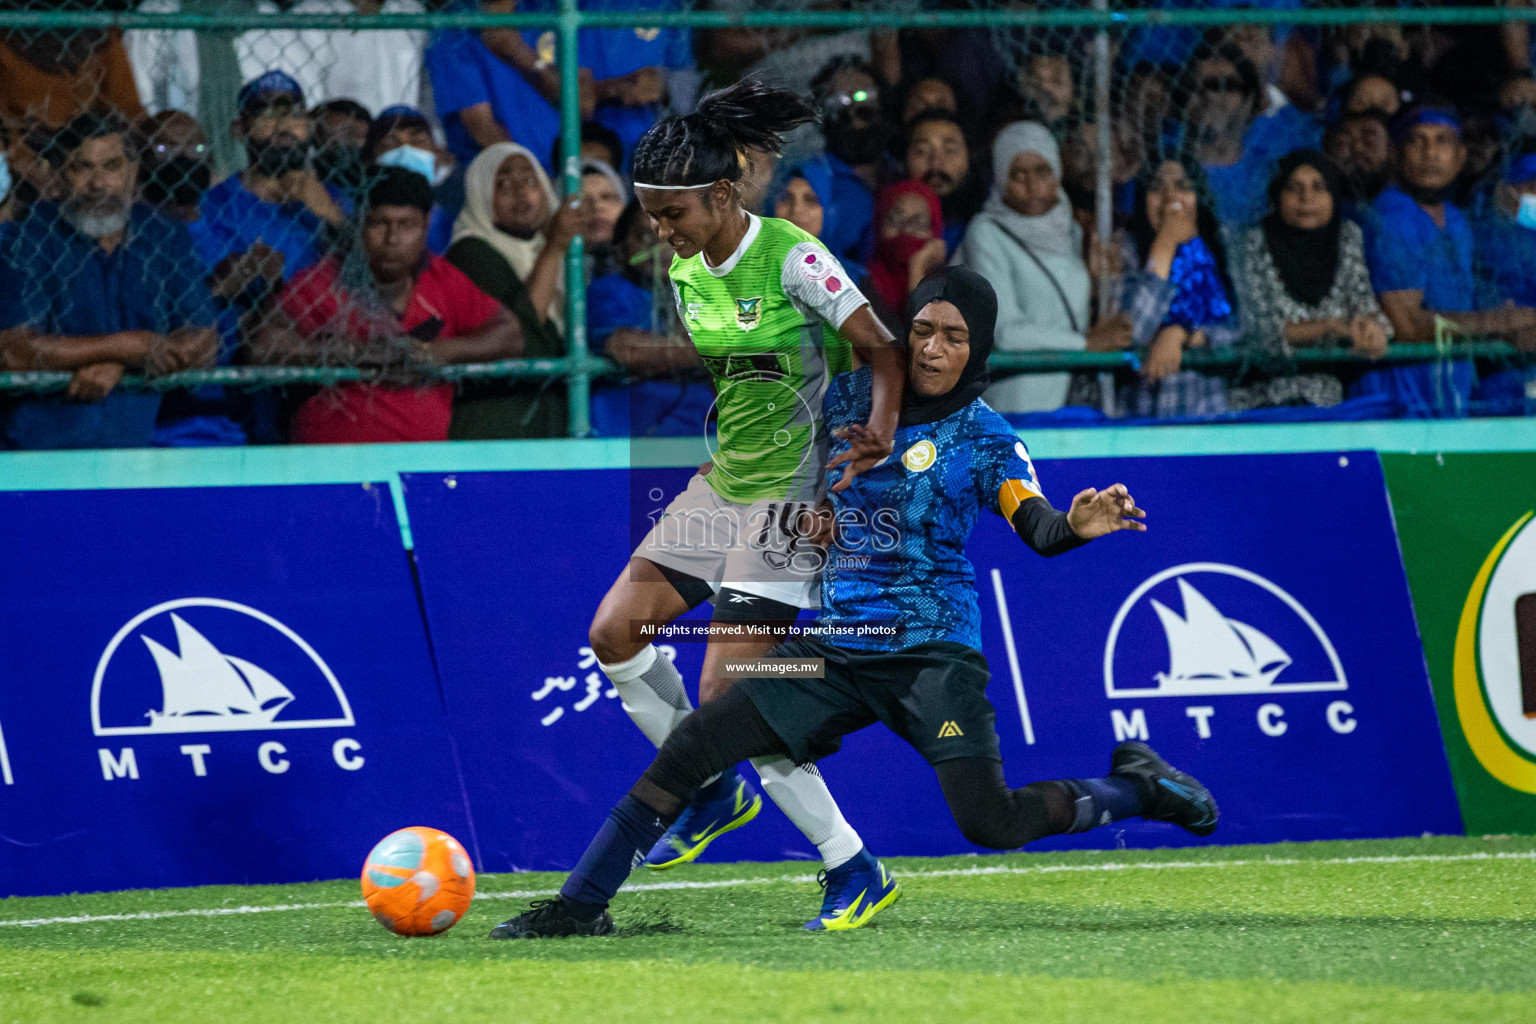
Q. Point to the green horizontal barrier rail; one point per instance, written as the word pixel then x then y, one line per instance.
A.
pixel 325 376
pixel 577 366
pixel 521 369
pixel 241 21
pixel 1214 359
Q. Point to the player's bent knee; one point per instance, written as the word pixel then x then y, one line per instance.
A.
pixel 610 639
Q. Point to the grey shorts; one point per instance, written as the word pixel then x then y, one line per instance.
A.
pixel 756 549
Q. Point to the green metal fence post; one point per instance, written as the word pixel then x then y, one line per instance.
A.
pixel 579 380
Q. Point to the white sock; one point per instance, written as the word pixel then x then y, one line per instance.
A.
pixel 651 690
pixel 802 795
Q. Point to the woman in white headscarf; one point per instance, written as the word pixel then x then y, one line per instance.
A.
pixel 511 240
pixel 1026 243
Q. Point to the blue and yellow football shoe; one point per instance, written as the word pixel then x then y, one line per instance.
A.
pixel 855 892
pixel 704 821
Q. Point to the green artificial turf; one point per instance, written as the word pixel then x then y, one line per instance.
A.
pixel 1394 931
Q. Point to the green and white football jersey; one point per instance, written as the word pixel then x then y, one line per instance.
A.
pixel 766 323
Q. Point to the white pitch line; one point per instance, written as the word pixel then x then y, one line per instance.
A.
pixel 733 883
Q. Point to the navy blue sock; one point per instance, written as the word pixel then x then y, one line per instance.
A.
pixel 1101 801
pixel 627 836
pixel 720 789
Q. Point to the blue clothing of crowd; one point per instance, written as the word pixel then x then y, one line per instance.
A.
pixel 61 282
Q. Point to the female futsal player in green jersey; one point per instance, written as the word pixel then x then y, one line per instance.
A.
pixel 774 317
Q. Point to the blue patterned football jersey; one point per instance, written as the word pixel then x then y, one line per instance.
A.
pixel 898 575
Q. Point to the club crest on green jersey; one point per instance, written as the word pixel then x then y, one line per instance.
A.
pixel 747 312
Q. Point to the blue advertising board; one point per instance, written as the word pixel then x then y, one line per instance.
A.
pixel 512 567
pixel 1260 634
pixel 211 685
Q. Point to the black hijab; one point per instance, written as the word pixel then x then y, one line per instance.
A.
pixel 1306 259
pixel 970 293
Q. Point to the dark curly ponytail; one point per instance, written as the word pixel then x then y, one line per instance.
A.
pixel 707 145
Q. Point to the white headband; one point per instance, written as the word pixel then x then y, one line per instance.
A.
pixel 673 188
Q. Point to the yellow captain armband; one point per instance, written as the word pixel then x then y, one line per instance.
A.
pixel 1012 494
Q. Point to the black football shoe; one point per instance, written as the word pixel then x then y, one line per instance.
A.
pixel 551 919
pixel 1167 794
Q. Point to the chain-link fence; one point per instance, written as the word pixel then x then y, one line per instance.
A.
pixel 187 181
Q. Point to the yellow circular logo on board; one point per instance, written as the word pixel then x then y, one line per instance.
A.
pixel 546 47
pixel 920 456
pixel 1495 642
pixel 647 35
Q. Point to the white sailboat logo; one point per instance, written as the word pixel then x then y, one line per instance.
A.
pixel 1210 653
pixel 206 690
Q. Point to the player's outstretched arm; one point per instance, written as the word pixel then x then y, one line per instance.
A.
pixel 1095 513
pixel 887 362
pixel 1051 532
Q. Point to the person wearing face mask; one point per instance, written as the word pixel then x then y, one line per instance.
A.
pixel 1225 97
pixel 1305 283
pixel 8 204
pixel 341 130
pixel 909 245
pixel 511 240
pixel 275 218
pixel 1506 233
pixel 1420 250
pixel 175 170
pixel 847 93
pixel 402 137
pixel 1026 243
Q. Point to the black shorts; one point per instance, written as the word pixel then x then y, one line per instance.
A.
pixel 932 695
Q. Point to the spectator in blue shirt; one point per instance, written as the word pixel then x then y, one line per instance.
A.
pixel 1505 234
pixel 401 136
pixel 1280 126
pixel 634 70
pixel 174 173
pixel 271 220
pixel 483 84
pixel 1420 252
pixel 1225 96
pixel 847 93
pixel 99 285
pixel 631 321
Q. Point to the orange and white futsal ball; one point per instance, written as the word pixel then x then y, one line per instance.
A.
pixel 418 881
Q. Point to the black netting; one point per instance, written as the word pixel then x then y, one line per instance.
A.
pixel 195 196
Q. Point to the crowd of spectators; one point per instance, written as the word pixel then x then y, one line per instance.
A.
pixel 394 205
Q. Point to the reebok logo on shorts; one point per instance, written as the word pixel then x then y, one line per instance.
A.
pixel 743 598
pixel 949 729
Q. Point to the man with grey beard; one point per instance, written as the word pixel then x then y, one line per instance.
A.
pixel 98 285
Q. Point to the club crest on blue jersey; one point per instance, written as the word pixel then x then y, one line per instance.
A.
pixel 920 456
pixel 747 312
